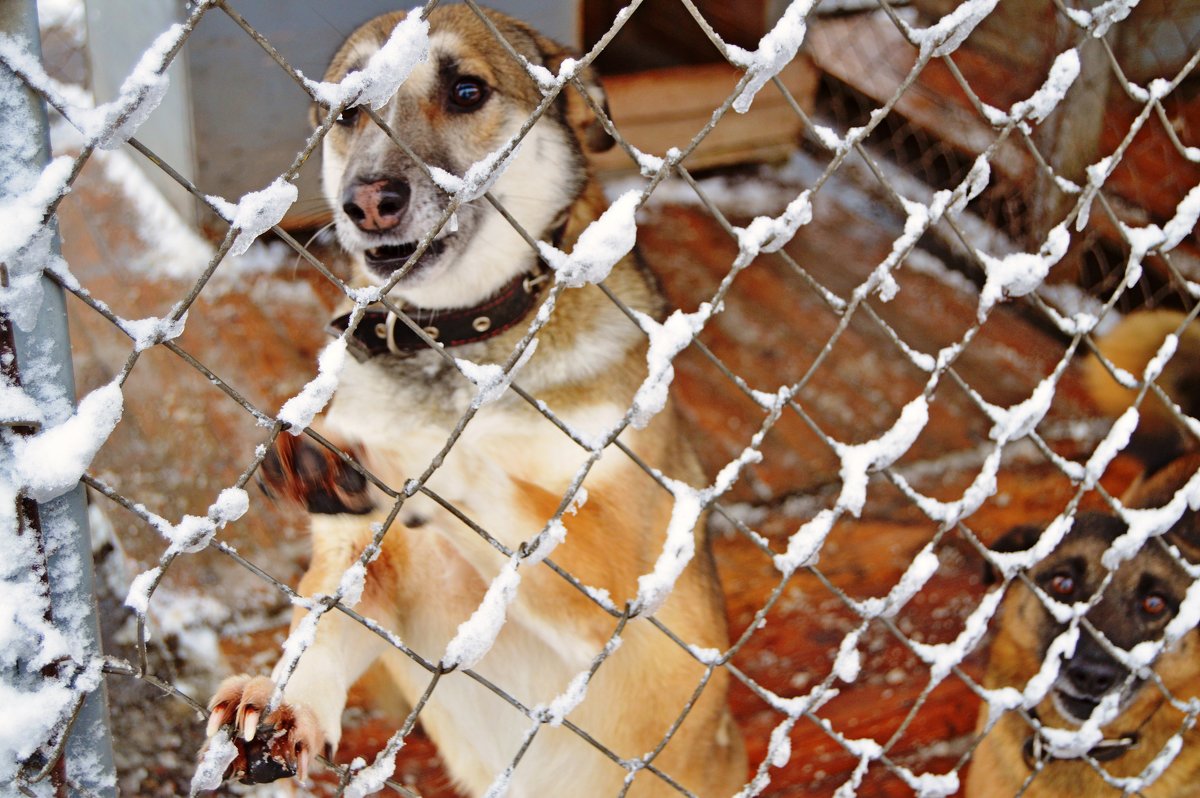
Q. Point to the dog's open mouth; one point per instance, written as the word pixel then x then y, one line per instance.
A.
pixel 385 260
pixel 1074 708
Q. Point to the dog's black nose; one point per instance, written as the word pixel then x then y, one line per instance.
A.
pixel 376 205
pixel 1094 677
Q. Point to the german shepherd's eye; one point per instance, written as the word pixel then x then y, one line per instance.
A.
pixel 348 117
pixel 467 94
pixel 1062 584
pixel 1154 604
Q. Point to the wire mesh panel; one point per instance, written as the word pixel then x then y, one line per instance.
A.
pixel 937 365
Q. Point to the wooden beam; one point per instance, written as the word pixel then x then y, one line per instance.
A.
pixel 663 108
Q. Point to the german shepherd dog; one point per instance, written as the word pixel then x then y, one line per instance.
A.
pixel 475 290
pixel 1140 599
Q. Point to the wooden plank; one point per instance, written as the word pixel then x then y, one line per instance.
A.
pixel 664 108
pixel 666 35
pixel 1155 41
pixel 868 53
pixel 1015 31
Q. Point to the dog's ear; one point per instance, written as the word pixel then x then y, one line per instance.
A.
pixel 583 120
pixel 586 122
pixel 1019 538
pixel 1186 535
pixel 588 128
pixel 1159 489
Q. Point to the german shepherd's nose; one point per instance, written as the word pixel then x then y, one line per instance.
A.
pixel 376 205
pixel 1093 672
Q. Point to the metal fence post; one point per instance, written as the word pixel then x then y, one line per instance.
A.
pixel 39 356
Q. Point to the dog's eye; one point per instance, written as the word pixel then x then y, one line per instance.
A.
pixel 1154 604
pixel 348 117
pixel 1062 584
pixel 467 94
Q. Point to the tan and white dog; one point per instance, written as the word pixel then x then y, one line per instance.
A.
pixel 475 290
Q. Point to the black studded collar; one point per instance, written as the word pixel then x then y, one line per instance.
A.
pixel 381 331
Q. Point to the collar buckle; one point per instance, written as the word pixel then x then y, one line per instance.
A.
pixel 1035 753
pixel 389 323
pixel 1108 750
pixel 532 281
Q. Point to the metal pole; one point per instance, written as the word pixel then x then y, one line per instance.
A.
pixel 40 359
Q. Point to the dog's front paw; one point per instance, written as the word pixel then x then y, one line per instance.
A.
pixel 276 746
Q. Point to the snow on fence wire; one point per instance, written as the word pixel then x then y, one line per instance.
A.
pixel 49 662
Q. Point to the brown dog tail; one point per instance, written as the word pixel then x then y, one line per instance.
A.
pixel 1130 346
pixel 316 478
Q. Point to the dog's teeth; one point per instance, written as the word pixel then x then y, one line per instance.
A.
pixel 250 725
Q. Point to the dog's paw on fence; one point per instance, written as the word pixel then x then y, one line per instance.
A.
pixel 314 477
pixel 271 745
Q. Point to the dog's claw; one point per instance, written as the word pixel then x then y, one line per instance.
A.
pixel 250 724
pixel 270 746
pixel 216 719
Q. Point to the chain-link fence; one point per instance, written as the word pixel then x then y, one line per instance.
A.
pixel 876 348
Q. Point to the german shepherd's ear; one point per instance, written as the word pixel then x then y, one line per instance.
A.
pixel 1159 489
pixel 1186 536
pixel 1019 538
